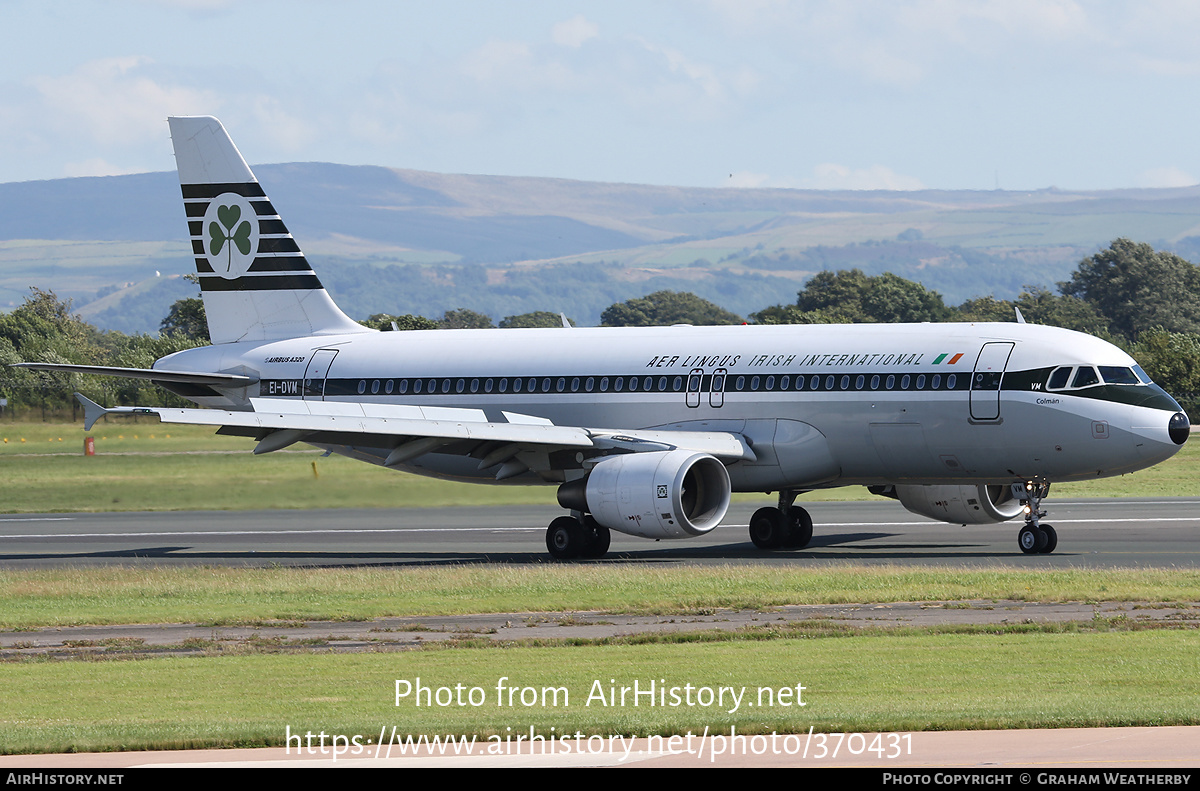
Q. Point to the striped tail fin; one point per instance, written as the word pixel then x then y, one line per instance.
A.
pixel 256 284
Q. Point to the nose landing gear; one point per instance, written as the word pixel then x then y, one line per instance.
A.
pixel 1034 538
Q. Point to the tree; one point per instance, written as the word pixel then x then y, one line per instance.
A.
pixel 1137 288
pixel 187 319
pixel 384 321
pixel 538 318
pixel 665 308
pixel 463 319
pixel 849 296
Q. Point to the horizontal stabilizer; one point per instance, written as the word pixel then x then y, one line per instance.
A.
pixel 154 374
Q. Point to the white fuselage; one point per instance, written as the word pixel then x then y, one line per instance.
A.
pixel 916 403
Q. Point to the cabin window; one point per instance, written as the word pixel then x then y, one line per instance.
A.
pixel 740 384
pixel 891 381
pixel 487 385
pixel 770 383
pixel 575 385
pixel 875 382
pixel 560 385
pixel 904 380
pixel 662 384
pixel 677 385
pixel 921 382
pixel 859 382
pixel 604 384
pixel 845 382
pixel 633 383
pixel 531 385
pixel 445 385
pixel 362 386
pixel 459 386
pixel 504 385
pixel 936 382
pixel 619 384
pixel 374 386
pixel 754 383
pixel 950 381
pixel 387 388
pixel 590 384
pixel 474 385
pixel 784 382
pixel 403 386
pixel 546 386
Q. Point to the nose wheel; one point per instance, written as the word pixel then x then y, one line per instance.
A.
pixel 1035 538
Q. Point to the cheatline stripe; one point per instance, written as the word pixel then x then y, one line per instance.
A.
pixel 261 282
pixel 246 190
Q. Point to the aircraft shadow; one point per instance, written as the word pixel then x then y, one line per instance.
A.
pixel 822 548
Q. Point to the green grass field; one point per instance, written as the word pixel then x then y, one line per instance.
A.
pixel 863 683
pixel 1090 674
pixel 146 466
pixel 230 595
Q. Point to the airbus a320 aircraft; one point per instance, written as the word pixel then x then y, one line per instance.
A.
pixel 646 431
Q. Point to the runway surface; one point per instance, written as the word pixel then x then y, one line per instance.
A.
pixel 1092 533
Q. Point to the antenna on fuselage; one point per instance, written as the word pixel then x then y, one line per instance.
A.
pixel 1020 318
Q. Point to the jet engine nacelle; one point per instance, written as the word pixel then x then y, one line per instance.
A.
pixel 964 505
pixel 661 494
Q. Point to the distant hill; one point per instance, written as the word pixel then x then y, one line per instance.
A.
pixel 402 241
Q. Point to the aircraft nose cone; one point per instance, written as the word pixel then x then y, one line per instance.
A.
pixel 1179 429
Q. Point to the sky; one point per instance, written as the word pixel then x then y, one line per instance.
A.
pixel 849 94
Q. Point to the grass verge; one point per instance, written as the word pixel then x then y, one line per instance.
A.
pixel 859 683
pixel 221 595
pixel 150 467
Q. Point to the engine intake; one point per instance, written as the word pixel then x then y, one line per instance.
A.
pixel 661 494
pixel 964 505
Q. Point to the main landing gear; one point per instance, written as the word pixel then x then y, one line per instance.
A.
pixel 570 537
pixel 1034 538
pixel 786 526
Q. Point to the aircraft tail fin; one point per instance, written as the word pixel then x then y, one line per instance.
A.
pixel 255 281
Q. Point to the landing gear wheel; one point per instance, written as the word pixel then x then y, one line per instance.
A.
pixel 1051 538
pixel 801 525
pixel 768 528
pixel 596 538
pixel 1033 540
pixel 565 538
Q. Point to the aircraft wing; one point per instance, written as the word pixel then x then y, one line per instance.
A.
pixel 411 431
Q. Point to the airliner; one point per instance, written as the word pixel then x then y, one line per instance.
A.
pixel 645 431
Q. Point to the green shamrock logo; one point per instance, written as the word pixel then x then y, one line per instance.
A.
pixel 219 236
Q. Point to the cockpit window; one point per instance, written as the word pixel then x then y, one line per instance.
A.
pixel 1058 379
pixel 1115 375
pixel 1085 376
pixel 1137 369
